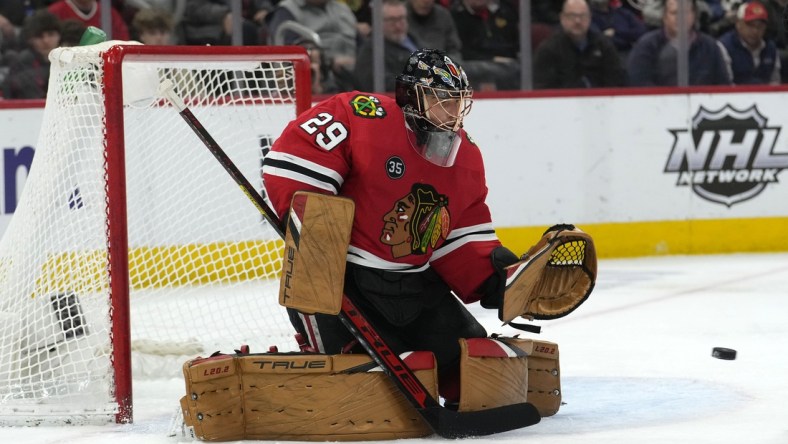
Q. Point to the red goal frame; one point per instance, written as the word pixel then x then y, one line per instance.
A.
pixel 114 152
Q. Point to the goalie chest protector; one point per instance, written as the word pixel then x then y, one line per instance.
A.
pixel 304 397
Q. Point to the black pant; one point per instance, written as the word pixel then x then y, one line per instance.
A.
pixel 410 311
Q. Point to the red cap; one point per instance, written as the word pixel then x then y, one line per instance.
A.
pixel 752 11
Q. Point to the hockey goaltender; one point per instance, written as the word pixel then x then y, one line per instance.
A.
pixel 387 235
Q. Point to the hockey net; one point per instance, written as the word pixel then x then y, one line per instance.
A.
pixel 130 239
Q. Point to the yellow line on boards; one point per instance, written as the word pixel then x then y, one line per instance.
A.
pixel 633 239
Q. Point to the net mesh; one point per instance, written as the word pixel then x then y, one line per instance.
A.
pixel 202 262
pixel 569 253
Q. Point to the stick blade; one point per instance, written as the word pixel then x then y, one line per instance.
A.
pixel 452 425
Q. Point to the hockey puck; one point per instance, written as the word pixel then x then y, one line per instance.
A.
pixel 727 354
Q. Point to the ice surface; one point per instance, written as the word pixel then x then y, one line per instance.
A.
pixel 635 358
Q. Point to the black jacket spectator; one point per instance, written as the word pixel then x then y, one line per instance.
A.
pixel 560 63
pixel 399 44
pixel 751 59
pixel 432 25
pixel 742 65
pixel 208 22
pixel 487 32
pixel 775 30
pixel 618 23
pixel 395 56
pixel 28 74
pixel 653 61
pixel 490 39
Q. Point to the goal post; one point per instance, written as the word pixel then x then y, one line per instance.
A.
pixel 129 239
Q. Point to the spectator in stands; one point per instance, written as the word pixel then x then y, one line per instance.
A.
pixel 544 19
pixel 651 13
pixel 490 42
pixel 433 26
pixel 653 59
pixel 12 15
pixel 713 16
pixel 398 46
pixel 28 75
pixel 363 11
pixel 71 32
pixel 153 26
pixel 546 11
pixel 89 13
pixel 775 31
pixel 175 8
pixel 616 23
pixel 750 58
pixel 634 6
pixel 210 22
pixel 257 11
pixel 323 81
pixel 720 18
pixel 334 23
pixel 576 56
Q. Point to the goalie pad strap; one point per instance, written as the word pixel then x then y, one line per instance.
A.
pixel 282 396
pixel 531 328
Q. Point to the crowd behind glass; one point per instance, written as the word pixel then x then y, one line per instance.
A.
pixel 573 43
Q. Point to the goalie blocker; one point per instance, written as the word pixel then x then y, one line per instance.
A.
pixel 316 397
pixel 316 243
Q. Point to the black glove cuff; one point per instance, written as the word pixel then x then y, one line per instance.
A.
pixel 493 287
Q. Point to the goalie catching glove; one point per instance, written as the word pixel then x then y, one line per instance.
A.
pixel 552 279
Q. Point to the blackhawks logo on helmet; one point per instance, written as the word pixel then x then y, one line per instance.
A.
pixel 455 71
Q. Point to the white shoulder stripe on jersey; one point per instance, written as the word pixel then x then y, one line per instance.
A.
pixel 308 164
pixel 449 247
pixel 366 259
pixel 459 232
pixel 281 172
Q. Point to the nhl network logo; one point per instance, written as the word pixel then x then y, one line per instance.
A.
pixel 728 155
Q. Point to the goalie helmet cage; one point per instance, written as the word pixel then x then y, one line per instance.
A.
pixel 129 236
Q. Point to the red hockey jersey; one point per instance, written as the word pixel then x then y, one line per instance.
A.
pixel 65 10
pixel 410 213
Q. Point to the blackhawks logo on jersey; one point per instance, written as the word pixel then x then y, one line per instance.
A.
pixel 416 222
pixel 367 107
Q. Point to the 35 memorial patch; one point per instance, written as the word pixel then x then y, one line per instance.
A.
pixel 367 107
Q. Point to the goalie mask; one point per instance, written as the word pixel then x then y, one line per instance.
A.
pixel 434 95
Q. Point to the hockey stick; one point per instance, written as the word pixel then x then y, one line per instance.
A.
pixel 445 422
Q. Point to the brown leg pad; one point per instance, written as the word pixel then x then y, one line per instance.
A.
pixel 308 397
pixel 544 374
pixel 492 374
